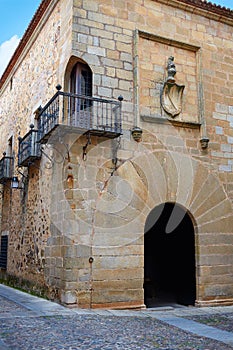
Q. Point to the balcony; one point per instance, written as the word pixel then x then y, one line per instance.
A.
pixel 29 148
pixel 80 114
pixel 6 168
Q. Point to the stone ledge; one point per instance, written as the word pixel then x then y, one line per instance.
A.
pixel 183 124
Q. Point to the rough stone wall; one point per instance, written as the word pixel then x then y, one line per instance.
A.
pixel 29 230
pixel 26 217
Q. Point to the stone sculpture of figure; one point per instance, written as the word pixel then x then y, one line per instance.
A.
pixel 171 69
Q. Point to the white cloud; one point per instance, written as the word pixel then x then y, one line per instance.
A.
pixel 7 49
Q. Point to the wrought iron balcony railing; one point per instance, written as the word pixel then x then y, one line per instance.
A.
pixel 29 148
pixel 80 113
pixel 6 168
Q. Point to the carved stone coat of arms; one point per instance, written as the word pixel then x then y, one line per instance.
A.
pixel 172 93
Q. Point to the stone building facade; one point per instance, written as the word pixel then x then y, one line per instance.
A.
pixel 120 203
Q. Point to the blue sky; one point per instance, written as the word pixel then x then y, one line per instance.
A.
pixel 15 16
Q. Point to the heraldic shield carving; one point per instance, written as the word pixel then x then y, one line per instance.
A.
pixel 172 93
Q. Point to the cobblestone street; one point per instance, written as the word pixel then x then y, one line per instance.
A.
pixel 28 322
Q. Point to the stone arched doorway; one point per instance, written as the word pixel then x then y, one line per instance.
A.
pixel 169 257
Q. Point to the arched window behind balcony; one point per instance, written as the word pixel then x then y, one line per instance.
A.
pixel 80 101
pixel 81 84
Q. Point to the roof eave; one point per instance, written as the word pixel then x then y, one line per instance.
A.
pixel 204 8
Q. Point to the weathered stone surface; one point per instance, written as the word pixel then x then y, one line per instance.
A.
pixel 68 297
pixel 55 227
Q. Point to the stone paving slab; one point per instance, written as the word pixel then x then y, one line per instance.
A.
pixel 223 321
pixel 198 328
pixel 40 306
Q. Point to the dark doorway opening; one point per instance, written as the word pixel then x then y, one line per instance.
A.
pixel 169 257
